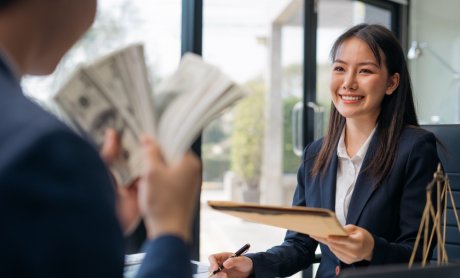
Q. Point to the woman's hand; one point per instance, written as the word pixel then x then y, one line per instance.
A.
pixel 127 204
pixel 235 267
pixel 357 246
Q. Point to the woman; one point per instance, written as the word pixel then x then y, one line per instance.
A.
pixel 371 168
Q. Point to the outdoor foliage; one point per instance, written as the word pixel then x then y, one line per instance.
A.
pixel 215 150
pixel 241 139
pixel 247 135
pixel 291 162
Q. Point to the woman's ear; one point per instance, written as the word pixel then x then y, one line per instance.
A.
pixel 393 83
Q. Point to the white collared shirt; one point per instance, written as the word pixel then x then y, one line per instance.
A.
pixel 347 173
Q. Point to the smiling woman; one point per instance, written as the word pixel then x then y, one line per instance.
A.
pixel 380 51
pixel 371 168
pixel 359 82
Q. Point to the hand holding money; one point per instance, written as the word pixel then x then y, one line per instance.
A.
pixel 114 92
pixel 126 196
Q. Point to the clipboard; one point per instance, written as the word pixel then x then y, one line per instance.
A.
pixel 311 221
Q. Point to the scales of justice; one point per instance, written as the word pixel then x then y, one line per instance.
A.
pixel 437 216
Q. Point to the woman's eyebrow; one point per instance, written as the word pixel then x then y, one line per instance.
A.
pixel 365 63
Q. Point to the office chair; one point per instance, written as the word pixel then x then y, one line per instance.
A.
pixel 449 154
pixel 401 271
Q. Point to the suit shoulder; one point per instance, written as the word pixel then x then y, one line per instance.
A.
pixel 32 131
pixel 416 141
pixel 414 134
pixel 312 149
pixel 25 121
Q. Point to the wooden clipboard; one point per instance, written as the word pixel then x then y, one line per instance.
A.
pixel 310 221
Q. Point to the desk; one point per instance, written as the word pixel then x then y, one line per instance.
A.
pixel 133 262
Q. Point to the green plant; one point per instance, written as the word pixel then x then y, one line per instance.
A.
pixel 247 134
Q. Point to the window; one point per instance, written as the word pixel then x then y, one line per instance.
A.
pixel 259 43
pixel 434 60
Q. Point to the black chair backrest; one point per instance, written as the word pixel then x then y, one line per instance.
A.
pixel 449 136
pixel 401 271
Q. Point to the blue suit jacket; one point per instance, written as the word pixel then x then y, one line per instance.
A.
pixel 390 212
pixel 57 205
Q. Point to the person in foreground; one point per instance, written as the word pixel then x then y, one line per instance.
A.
pixel 371 168
pixel 58 212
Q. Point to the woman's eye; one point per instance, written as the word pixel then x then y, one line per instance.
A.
pixel 338 68
pixel 365 71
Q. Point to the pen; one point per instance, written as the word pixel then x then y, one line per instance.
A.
pixel 236 254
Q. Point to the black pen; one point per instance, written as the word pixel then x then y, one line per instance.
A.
pixel 236 254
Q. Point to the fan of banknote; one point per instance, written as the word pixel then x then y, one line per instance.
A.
pixel 115 92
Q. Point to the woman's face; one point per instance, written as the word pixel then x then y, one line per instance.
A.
pixel 358 83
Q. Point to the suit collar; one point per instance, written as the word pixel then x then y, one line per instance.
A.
pixel 364 186
pixel 9 64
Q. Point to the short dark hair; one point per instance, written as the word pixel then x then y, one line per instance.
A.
pixel 397 109
pixel 4 3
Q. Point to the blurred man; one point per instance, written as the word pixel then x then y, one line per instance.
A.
pixel 58 212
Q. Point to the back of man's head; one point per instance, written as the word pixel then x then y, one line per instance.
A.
pixel 4 3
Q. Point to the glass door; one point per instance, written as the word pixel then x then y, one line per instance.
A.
pixel 247 152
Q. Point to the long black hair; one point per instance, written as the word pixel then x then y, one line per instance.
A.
pixel 397 110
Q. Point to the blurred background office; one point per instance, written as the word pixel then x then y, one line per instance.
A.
pixel 279 50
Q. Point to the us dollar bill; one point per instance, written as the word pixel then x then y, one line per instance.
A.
pixel 133 61
pixel 94 112
pixel 109 74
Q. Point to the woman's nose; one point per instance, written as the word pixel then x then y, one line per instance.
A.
pixel 349 82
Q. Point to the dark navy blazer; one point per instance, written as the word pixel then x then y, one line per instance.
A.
pixel 391 212
pixel 57 204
